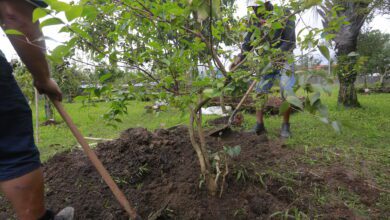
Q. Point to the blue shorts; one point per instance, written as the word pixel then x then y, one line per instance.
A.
pixel 286 80
pixel 18 153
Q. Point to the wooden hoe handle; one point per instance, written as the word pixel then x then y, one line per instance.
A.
pixel 231 118
pixel 96 162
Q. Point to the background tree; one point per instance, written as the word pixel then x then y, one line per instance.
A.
pixel 69 79
pixel 355 13
pixel 24 79
pixel 375 45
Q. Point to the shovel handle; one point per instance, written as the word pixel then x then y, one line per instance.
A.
pixel 242 101
pixel 96 162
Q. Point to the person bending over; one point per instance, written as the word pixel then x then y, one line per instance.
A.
pixel 284 40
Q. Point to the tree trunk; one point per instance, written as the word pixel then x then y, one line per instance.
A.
pixel 48 109
pixel 347 93
pixel 222 103
pixel 365 81
pixel 382 80
pixel 347 76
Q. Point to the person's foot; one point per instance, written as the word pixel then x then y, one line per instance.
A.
pixel 65 214
pixel 285 131
pixel 259 129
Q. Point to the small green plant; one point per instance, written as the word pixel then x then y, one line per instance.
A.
pixel 220 163
pixel 293 213
pixel 241 174
pixel 120 180
pixel 240 213
pixel 260 178
pixel 143 170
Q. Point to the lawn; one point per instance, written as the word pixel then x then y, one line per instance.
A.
pixel 362 146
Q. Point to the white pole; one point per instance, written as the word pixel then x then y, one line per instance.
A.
pixel 36 116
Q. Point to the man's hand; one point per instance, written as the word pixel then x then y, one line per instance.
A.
pixel 50 88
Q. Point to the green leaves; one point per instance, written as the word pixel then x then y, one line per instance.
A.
pixel 58 5
pixel 81 33
pixel 13 32
pixel 284 107
pixel 74 12
pixel 202 8
pixel 314 98
pixel 276 25
pixel 324 51
pixel 293 100
pixel 105 77
pixel 232 151
pixel 38 13
pixel 51 21
pixel 59 52
pixel 211 93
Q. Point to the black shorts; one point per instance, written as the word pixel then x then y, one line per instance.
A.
pixel 18 153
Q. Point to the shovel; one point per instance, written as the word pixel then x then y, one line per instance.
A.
pixel 219 131
pixel 225 128
pixel 121 198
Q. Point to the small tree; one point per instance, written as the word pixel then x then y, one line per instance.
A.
pixel 165 42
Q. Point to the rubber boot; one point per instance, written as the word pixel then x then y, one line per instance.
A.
pixel 285 131
pixel 65 214
pixel 259 129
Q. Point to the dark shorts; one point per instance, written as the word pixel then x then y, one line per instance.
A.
pixel 18 153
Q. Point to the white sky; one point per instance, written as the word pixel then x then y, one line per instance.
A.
pixel 380 22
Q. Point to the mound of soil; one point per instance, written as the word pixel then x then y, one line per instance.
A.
pixel 159 173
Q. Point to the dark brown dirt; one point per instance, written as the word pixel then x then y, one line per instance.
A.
pixel 159 173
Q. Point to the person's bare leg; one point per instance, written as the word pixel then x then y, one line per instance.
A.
pixel 259 127
pixel 285 131
pixel 260 116
pixel 26 195
pixel 286 115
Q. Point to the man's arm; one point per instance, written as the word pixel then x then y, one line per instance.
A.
pixel 288 37
pixel 31 48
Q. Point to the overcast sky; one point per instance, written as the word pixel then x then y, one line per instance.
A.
pixel 381 23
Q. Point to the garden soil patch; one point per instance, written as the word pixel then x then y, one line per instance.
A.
pixel 159 173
